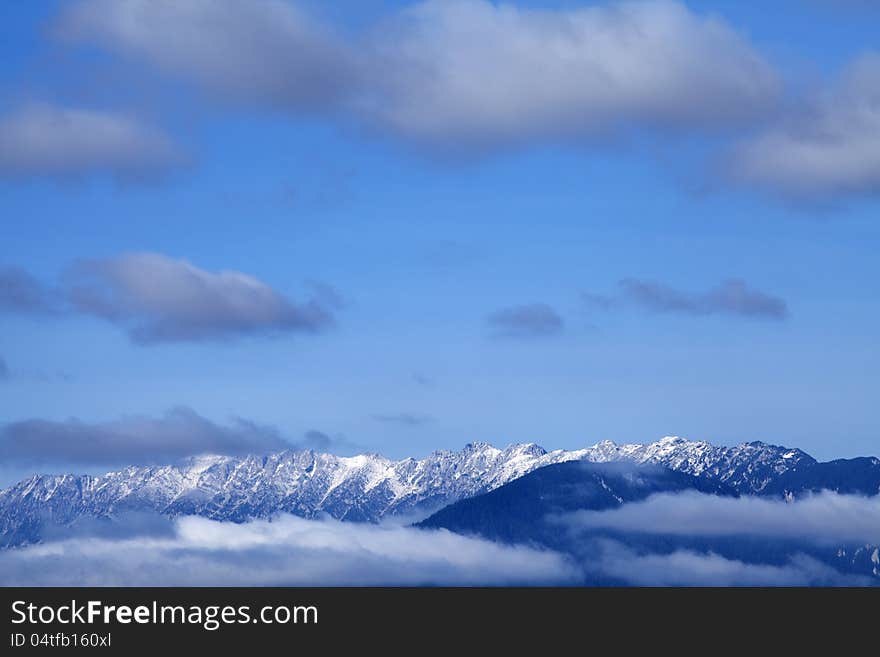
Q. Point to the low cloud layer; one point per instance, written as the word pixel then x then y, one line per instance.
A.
pixel 825 518
pixel 45 140
pixel 691 568
pixel 144 549
pixel 467 72
pixel 830 151
pixel 286 551
pixel 133 440
pixel 731 297
pixel 530 321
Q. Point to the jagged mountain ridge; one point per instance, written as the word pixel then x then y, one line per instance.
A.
pixel 361 488
pixel 747 468
pixel 304 483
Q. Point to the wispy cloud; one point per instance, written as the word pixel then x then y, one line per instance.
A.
pixel 403 419
pixel 21 293
pixel 287 551
pixel 731 297
pixel 693 568
pixel 829 151
pixel 322 442
pixel 131 440
pixel 156 298
pixel 44 140
pixel 537 320
pixel 284 59
pixel 599 301
pixel 160 299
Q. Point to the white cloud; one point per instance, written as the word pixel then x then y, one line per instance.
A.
pixel 475 75
pixel 285 551
pixel 528 321
pixel 179 433
pixel 493 73
pixel 690 568
pixel 830 151
pixel 21 293
pixel 45 140
pixel 826 518
pixel 149 550
pixel 161 299
pixel 452 73
pixel 266 52
pixel 730 297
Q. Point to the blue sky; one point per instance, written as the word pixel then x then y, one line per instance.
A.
pixel 428 222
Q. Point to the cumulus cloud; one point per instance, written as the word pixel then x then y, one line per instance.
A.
pixel 732 297
pixel 21 293
pixel 43 140
pixel 471 73
pixel 529 321
pixel 404 419
pixel 155 299
pixel 692 568
pixel 829 151
pixel 160 299
pixel 133 440
pixel 824 518
pixel 287 551
pixel 282 58
pixel 495 73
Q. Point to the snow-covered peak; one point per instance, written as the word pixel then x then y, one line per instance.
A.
pixel 479 445
pixel 198 464
pixel 363 487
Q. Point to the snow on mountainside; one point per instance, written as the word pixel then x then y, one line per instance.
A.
pixel 362 488
pixel 747 468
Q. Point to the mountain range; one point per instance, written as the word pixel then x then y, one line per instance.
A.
pixel 370 487
pixel 541 509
